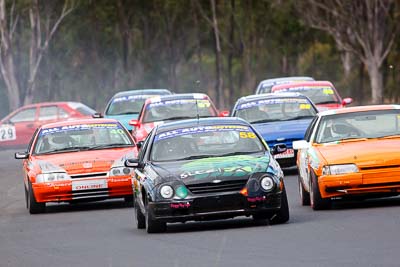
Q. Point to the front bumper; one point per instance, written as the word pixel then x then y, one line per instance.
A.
pixel 214 207
pixel 61 191
pixel 385 181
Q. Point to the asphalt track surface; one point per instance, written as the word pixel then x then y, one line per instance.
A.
pixel 103 234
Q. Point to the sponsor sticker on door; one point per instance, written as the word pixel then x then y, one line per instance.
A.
pixel 89 185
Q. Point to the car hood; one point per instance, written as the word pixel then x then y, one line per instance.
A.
pixel 213 169
pixel 124 119
pixel 84 161
pixel 280 130
pixel 363 153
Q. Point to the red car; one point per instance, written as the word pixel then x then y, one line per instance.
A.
pixel 322 93
pixel 17 128
pixel 158 110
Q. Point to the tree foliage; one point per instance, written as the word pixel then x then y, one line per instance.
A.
pixel 102 47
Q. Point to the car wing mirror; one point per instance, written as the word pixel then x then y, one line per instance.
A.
pixel 97 115
pixel 224 113
pixel 301 144
pixel 133 163
pixel 21 155
pixel 134 123
pixel 347 101
pixel 278 148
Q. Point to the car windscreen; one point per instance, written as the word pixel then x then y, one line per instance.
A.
pixel 178 109
pixel 205 141
pixel 275 109
pixel 125 105
pixel 317 94
pixel 81 137
pixel 358 125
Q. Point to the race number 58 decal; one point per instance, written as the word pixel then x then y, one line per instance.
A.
pixel 7 132
pixel 247 135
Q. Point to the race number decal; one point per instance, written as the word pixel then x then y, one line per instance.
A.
pixel 7 132
pixel 247 135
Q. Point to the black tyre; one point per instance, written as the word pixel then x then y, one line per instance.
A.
pixel 129 201
pixel 261 216
pixel 140 219
pixel 316 201
pixel 304 195
pixel 282 215
pixel 26 197
pixel 33 206
pixel 152 225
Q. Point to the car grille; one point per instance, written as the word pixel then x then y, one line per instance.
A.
pixel 89 194
pixel 225 186
pixel 89 175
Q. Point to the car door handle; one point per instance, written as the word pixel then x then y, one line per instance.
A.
pixel 30 125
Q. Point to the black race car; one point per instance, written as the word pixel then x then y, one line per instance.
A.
pixel 202 169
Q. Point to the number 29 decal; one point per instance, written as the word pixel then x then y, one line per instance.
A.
pixel 7 132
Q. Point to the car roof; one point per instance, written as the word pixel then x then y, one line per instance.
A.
pixel 177 96
pixel 50 104
pixel 288 78
pixel 359 109
pixel 78 121
pixel 270 96
pixel 201 122
pixel 302 84
pixel 143 92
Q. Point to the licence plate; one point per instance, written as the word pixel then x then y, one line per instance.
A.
pixel 89 185
pixel 289 153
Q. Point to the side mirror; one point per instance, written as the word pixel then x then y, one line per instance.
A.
pixel 301 144
pixel 97 115
pixel 133 163
pixel 347 101
pixel 140 144
pixel 278 148
pixel 21 155
pixel 134 123
pixel 224 113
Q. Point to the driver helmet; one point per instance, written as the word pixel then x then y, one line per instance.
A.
pixel 59 141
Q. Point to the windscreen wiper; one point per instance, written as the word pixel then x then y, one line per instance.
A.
pixel 179 118
pixel 327 102
pixel 299 118
pixel 261 121
pixel 65 149
pixel 109 146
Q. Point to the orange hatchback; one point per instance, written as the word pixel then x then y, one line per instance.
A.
pixel 80 160
pixel 350 152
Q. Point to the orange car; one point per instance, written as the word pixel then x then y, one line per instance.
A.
pixel 80 160
pixel 350 152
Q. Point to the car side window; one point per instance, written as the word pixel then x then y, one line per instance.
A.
pixel 144 147
pixel 62 114
pixel 310 128
pixel 48 113
pixel 24 115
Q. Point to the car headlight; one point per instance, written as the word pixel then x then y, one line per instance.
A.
pixel 52 177
pixel 120 171
pixel 339 169
pixel 181 191
pixel 166 191
pixel 267 183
